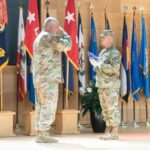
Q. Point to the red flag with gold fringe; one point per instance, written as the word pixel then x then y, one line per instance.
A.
pixel 32 31
pixel 71 28
pixel 3 12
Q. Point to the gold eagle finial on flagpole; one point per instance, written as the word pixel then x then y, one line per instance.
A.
pixel 91 7
pixel 125 8
pixel 142 10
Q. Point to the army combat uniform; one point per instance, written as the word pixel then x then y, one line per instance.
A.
pixel 47 74
pixel 108 82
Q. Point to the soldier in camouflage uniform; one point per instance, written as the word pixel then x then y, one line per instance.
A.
pixel 47 74
pixel 108 81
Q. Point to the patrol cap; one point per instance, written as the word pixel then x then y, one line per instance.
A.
pixel 47 20
pixel 107 33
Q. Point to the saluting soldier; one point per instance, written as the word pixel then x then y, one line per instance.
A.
pixel 47 74
pixel 108 81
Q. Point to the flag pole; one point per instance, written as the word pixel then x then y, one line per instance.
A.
pixel 67 79
pixel 134 121
pixel 79 97
pixel 122 122
pixel 135 125
pixel 47 3
pixel 63 87
pixel 146 109
pixel 1 90
pixel 67 76
pixel 79 125
pixel 146 102
pixel 123 125
pixel 17 128
pixel 91 7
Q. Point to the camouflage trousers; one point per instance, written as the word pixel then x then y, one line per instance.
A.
pixel 46 105
pixel 110 106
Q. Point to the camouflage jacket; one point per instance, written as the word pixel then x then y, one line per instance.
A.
pixel 46 64
pixel 108 71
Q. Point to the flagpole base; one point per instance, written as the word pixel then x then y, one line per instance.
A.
pixel 80 126
pixel 17 128
pixel 135 125
pixel 147 124
pixel 123 125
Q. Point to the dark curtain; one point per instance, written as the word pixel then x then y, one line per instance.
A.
pixel 12 27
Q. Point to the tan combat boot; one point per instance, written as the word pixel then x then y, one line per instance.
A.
pixel 113 135
pixel 108 131
pixel 44 137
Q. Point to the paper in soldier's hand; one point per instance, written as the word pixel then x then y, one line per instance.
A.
pixel 94 60
pixel 92 56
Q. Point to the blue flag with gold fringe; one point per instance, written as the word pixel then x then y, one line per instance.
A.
pixel 134 65
pixel 93 48
pixel 143 63
pixel 3 49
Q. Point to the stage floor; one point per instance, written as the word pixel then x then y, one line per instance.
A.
pixel 130 139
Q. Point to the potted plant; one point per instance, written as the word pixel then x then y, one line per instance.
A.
pixel 90 103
